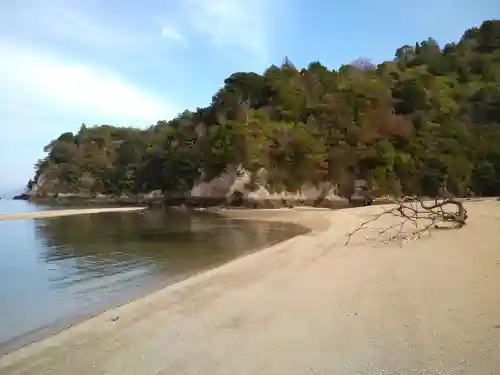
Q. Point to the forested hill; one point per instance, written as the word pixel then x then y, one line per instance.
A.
pixel 429 115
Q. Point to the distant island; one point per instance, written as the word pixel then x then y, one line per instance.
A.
pixel 430 116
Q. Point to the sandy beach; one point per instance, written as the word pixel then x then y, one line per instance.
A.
pixel 309 305
pixel 55 213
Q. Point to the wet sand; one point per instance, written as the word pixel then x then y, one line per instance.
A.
pixel 55 213
pixel 309 305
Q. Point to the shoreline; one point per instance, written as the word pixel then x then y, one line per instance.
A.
pixel 278 215
pixel 67 212
pixel 63 324
pixel 290 286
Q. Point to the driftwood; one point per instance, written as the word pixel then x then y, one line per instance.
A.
pixel 422 216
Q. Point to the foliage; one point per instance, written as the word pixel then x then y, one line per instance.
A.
pixel 408 125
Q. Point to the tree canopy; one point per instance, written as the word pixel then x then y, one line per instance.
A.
pixel 432 114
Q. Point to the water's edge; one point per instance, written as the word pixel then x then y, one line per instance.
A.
pixel 63 324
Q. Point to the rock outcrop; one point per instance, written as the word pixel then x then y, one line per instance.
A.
pixel 236 186
pixel 239 186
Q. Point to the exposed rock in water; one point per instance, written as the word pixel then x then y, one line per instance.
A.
pixel 22 197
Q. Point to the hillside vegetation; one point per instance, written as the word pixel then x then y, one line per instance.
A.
pixel 430 115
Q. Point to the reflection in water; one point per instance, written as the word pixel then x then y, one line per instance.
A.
pixel 60 269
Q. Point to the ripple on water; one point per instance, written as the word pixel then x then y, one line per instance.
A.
pixel 54 271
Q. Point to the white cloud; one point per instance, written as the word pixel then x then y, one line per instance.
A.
pixel 54 84
pixel 237 24
pixel 62 21
pixel 172 33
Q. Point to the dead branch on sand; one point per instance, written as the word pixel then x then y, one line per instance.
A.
pixel 421 216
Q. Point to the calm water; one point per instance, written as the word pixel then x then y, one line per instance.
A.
pixel 58 270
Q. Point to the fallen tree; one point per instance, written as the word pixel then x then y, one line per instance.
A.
pixel 415 217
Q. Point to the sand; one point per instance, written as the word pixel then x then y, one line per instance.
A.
pixel 55 213
pixel 309 305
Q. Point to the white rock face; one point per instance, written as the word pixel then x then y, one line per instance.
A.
pixel 217 187
pixel 238 179
pixel 154 194
pixel 33 192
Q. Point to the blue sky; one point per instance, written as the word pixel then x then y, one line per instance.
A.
pixel 127 62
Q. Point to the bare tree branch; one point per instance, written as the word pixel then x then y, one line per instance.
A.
pixel 424 216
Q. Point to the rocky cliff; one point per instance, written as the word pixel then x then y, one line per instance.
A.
pixel 235 186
